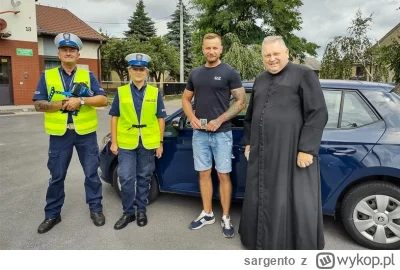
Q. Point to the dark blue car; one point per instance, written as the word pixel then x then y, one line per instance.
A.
pixel 359 159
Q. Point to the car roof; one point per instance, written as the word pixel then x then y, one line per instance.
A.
pixel 342 84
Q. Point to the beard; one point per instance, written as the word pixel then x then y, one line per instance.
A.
pixel 212 59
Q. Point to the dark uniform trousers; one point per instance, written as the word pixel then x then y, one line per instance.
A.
pixel 135 168
pixel 60 154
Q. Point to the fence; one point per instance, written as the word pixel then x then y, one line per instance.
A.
pixel 166 88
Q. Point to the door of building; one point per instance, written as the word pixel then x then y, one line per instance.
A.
pixel 6 97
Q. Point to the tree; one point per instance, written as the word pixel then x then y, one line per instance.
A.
pixel 351 50
pixel 164 57
pixel 140 25
pixel 392 56
pixel 113 56
pixel 174 37
pixel 246 59
pixel 252 20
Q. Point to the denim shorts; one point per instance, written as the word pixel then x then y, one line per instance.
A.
pixel 208 144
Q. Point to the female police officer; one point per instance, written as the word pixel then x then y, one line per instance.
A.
pixel 137 131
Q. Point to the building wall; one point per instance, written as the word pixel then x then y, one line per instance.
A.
pixel 23 24
pixel 23 87
pixel 87 60
pixel 389 40
pixel 48 48
pixel 88 64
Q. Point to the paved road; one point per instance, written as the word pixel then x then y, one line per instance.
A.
pixel 23 182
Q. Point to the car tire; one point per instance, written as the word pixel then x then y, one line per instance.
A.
pixel 154 188
pixel 364 221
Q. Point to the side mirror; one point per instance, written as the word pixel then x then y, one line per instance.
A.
pixel 177 122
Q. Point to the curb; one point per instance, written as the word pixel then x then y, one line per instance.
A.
pixel 13 111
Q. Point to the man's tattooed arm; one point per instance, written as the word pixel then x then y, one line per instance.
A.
pixel 239 95
pixel 46 106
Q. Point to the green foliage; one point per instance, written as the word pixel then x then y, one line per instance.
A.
pixel 391 54
pixel 113 56
pixel 351 50
pixel 246 59
pixel 252 20
pixel 173 37
pixel 164 57
pixel 141 26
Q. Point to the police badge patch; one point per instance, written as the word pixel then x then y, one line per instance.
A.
pixel 67 37
pixel 139 57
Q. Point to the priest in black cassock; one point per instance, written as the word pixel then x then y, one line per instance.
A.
pixel 283 127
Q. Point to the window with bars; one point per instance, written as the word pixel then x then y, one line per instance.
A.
pixel 50 63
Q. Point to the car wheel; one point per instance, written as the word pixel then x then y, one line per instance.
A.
pixel 154 189
pixel 371 215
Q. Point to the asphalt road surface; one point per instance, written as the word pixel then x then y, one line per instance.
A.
pixel 23 182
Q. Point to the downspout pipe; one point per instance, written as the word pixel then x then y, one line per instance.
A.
pixel 99 60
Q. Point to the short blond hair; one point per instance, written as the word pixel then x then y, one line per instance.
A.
pixel 211 36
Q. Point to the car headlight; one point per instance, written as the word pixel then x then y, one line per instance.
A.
pixel 104 141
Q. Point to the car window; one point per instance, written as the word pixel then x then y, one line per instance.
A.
pixel 332 100
pixel 356 112
pixel 243 112
pixel 239 117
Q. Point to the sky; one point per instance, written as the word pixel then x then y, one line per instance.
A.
pixel 322 19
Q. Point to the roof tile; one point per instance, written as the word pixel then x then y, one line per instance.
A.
pixel 52 21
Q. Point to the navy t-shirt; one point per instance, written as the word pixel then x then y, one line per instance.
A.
pixel 42 94
pixel 212 91
pixel 138 96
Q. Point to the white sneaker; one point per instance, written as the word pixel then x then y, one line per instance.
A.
pixel 227 228
pixel 202 220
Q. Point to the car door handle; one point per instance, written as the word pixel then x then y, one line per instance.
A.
pixel 241 148
pixel 341 151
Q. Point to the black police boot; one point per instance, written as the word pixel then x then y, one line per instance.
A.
pixel 48 224
pixel 141 219
pixel 98 218
pixel 123 221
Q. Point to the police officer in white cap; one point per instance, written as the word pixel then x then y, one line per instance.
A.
pixel 137 131
pixel 67 130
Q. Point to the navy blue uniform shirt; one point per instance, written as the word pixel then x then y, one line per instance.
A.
pixel 41 90
pixel 138 96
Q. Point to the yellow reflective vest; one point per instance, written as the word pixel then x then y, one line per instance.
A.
pixel 129 127
pixel 55 123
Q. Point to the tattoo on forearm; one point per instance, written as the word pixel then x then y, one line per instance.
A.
pixel 44 105
pixel 240 96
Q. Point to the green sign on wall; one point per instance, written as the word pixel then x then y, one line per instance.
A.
pixel 24 52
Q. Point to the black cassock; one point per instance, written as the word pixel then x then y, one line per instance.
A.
pixel 282 204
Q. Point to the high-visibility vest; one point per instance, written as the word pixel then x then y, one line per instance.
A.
pixel 55 123
pixel 129 127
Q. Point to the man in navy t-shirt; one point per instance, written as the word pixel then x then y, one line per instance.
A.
pixel 211 86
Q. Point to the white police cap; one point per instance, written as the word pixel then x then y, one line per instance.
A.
pixel 68 40
pixel 138 59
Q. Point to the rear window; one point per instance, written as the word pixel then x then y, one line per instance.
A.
pixel 396 97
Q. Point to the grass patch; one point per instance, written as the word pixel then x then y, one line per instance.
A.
pixel 172 97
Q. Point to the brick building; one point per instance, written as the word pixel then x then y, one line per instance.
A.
pixel 27 33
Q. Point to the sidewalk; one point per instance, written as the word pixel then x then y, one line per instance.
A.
pixel 171 106
pixel 6 110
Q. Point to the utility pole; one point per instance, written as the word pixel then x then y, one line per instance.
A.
pixel 181 45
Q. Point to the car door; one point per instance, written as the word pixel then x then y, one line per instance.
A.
pixel 176 167
pixel 352 130
pixel 239 161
